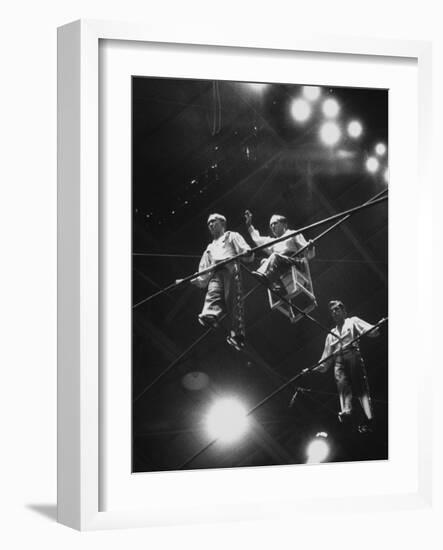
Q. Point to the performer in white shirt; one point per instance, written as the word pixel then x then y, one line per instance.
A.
pixel 279 255
pixel 349 369
pixel 224 290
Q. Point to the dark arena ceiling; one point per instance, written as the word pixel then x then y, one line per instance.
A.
pixel 212 146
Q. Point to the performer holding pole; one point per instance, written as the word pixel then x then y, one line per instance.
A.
pixel 349 368
pixel 279 255
pixel 224 289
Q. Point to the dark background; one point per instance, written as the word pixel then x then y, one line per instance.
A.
pixel 201 147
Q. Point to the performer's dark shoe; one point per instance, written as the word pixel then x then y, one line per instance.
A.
pixel 237 341
pixel 209 321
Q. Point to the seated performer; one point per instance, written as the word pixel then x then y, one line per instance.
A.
pixel 349 368
pixel 224 293
pixel 279 254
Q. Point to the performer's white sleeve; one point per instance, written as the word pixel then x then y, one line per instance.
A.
pixel 239 242
pixel 256 237
pixel 205 262
pixel 362 326
pixel 240 245
pixel 301 242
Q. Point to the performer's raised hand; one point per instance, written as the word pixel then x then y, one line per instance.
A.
pixel 248 217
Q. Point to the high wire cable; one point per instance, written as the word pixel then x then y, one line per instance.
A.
pixel 286 384
pixel 316 260
pixel 185 352
pixel 345 214
pixel 200 338
pixel 313 367
pixel 172 365
pixel 370 201
pixel 300 252
pixel 291 305
pixel 374 200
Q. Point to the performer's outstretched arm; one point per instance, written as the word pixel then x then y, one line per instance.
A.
pixel 301 242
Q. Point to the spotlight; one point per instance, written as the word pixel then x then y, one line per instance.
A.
pixel 300 110
pixel 318 449
pixel 330 133
pixel 227 420
pixel 330 108
pixel 312 93
pixel 386 175
pixel 355 129
pixel 380 149
pixel 372 165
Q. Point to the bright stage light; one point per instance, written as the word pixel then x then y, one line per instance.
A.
pixel 330 108
pixel 386 175
pixel 330 133
pixel 372 165
pixel 355 129
pixel 227 420
pixel 300 110
pixel 312 93
pixel 380 149
pixel 318 449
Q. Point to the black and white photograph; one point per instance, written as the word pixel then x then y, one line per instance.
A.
pixel 259 274
pixel 222 266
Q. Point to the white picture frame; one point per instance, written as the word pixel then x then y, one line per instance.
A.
pixel 79 272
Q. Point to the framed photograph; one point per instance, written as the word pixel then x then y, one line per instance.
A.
pixel 237 228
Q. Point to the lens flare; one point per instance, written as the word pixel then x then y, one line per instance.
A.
pixel 300 110
pixel 330 133
pixel 227 420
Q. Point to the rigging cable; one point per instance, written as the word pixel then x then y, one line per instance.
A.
pixel 345 215
pixel 285 385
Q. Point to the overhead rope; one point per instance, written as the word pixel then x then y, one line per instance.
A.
pixel 370 201
pixel 318 364
pixel 171 365
pixel 286 384
pixel 345 215
pixel 303 390
pixel 300 311
pixel 299 252
pixel 316 260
